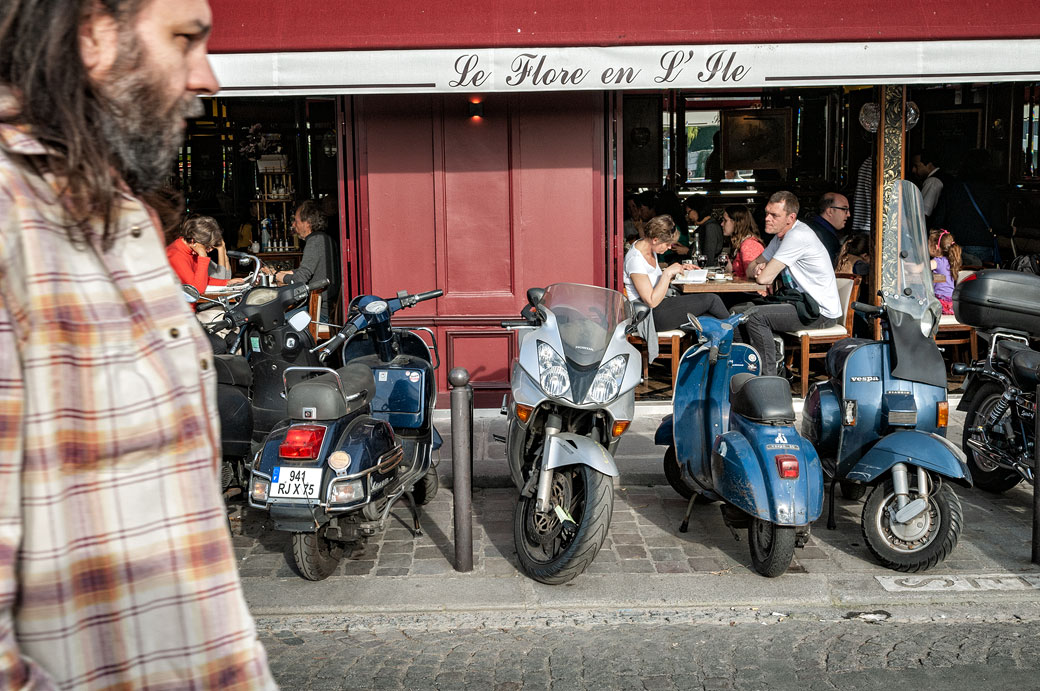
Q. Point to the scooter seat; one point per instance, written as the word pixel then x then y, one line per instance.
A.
pixel 839 354
pixel 320 398
pixel 1006 349
pixel 233 370
pixel 1025 365
pixel 761 398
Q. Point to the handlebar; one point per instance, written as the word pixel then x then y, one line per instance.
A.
pixel 428 295
pixel 515 323
pixel 324 351
pixel 867 310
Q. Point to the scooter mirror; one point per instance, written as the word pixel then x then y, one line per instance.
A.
pixel 694 322
pixel 191 293
pixel 640 312
pixel 534 296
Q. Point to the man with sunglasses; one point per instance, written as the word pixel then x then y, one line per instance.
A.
pixel 833 214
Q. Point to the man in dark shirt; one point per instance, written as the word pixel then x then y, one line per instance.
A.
pixel 708 232
pixel 319 256
pixel 833 214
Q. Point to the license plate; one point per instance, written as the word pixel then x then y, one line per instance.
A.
pixel 296 483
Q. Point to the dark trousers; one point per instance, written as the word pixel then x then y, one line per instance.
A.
pixel 671 313
pixel 765 320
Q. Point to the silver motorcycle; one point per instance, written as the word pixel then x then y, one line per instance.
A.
pixel 573 396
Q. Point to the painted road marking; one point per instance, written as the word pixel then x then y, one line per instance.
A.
pixel 932 583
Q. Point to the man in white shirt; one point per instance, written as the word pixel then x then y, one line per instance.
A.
pixel 923 166
pixel 796 248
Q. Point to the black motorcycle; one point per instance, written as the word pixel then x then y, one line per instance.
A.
pixel 357 438
pixel 1000 389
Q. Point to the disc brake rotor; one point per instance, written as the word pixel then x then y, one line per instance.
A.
pixel 543 528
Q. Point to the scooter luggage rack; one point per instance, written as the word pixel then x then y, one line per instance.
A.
pixel 323 370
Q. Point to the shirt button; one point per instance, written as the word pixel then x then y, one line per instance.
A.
pixel 204 364
pixel 174 333
pixel 135 232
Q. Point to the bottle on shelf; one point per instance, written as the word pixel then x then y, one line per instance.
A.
pixel 265 235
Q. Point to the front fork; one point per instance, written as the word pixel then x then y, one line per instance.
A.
pixel 906 510
pixel 553 426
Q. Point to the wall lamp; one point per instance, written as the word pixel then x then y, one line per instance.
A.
pixel 476 109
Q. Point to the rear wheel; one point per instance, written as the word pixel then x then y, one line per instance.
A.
pixel 426 487
pixel 853 491
pixel 673 473
pixel 772 547
pixel 546 550
pixel 316 556
pixel 921 542
pixel 984 473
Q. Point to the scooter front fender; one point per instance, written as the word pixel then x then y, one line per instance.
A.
pixel 663 435
pixel 748 479
pixel 914 447
pixel 566 449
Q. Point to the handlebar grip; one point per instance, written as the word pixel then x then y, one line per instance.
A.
pixel 713 355
pixel 428 295
pixel 512 323
pixel 863 308
pixel 336 341
pixel 317 285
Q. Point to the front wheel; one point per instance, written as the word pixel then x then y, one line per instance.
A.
pixel 316 556
pixel 985 474
pixel 918 544
pixel 772 547
pixel 547 551
pixel 426 487
pixel 673 473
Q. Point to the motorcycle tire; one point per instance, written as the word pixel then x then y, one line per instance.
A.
pixel 853 491
pixel 984 474
pixel 316 556
pixel 545 553
pixel 426 487
pixel 772 547
pixel 945 521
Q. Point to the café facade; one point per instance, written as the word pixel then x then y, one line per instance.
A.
pixel 485 148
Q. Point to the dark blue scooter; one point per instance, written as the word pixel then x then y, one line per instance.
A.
pixel 731 438
pixel 358 438
pixel 880 420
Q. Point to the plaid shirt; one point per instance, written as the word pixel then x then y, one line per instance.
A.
pixel 116 570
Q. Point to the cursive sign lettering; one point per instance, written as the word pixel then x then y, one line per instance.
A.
pixel 469 75
pixel 728 72
pixel 671 63
pixel 529 66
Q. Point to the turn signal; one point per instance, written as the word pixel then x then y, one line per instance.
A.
pixel 787 466
pixel 302 441
pixel 942 417
pixel 619 427
pixel 523 412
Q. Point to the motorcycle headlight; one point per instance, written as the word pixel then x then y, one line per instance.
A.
pixel 552 371
pixel 607 383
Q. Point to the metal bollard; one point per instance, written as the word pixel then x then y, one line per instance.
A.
pixel 462 467
pixel 1036 491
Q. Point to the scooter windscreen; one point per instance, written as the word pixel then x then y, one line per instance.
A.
pixel 587 317
pixel 910 303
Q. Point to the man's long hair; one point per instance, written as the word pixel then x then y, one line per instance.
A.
pixel 40 63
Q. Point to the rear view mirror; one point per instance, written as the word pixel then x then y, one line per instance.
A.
pixel 534 296
pixel 191 293
pixel 640 312
pixel 243 258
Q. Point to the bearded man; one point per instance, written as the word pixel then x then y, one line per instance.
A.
pixel 116 568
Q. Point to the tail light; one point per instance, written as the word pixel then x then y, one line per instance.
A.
pixel 787 466
pixel 302 441
pixel 942 416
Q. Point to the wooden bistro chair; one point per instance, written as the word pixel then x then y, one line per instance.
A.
pixel 671 345
pixel 848 290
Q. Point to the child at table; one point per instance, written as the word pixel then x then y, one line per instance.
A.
pixel 946 263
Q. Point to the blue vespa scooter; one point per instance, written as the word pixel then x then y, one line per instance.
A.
pixel 731 438
pixel 880 420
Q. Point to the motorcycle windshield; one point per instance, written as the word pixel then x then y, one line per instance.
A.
pixel 587 317
pixel 910 290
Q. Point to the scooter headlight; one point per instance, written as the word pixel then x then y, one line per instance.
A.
pixel 607 383
pixel 552 371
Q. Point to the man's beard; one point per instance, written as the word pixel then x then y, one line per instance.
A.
pixel 142 132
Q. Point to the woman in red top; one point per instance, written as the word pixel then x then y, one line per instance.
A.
pixel 189 254
pixel 740 228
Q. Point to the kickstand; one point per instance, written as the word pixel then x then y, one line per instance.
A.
pixel 417 530
pixel 831 524
pixel 689 509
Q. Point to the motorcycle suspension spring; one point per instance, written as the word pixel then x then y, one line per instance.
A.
pixel 999 410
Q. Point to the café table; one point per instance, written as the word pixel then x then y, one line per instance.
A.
pixel 714 286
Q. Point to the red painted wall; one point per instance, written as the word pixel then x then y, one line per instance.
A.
pixel 290 25
pixel 483 208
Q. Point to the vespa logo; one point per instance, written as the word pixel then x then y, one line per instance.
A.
pixel 780 438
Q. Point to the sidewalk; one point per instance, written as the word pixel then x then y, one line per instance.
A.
pixel 645 565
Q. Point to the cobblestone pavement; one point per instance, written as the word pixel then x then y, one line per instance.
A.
pixel 789 654
pixel 643 538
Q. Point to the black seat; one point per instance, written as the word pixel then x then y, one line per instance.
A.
pixel 233 370
pixel 762 399
pixel 839 354
pixel 1025 365
pixel 320 399
pixel 1007 349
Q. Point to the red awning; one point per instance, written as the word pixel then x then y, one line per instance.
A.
pixel 265 26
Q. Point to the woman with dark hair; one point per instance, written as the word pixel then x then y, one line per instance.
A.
pixel 189 254
pixel 744 238
pixel 647 282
